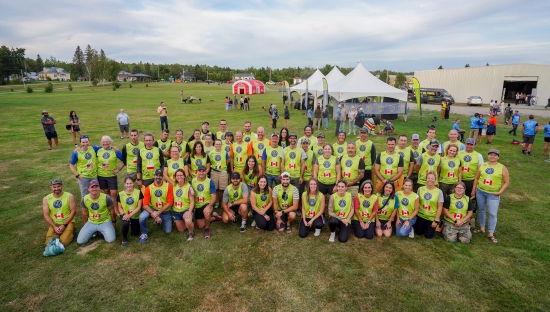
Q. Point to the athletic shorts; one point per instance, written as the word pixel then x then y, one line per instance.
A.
pixel 326 188
pixel 529 139
pixel 178 216
pixel 51 135
pixel 219 178
pixel 108 183
pixel 546 139
pixel 235 209
pixel 199 213
pixel 124 128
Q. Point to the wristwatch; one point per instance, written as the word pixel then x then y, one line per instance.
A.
pixel 76 176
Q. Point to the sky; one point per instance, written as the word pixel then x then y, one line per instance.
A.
pixel 395 35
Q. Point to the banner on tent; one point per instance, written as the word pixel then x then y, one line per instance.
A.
pixel 377 108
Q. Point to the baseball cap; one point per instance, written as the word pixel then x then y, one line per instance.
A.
pixel 470 141
pixel 493 150
pixel 56 181
pixel 44 112
pixel 363 130
pixel 159 171
pixel 320 135
pixel 201 168
pixel 274 134
pixel 235 175
pixel 93 183
pixel 306 140
pixel 293 134
pixel 434 142
pixel 229 133
pixel 285 175
pixel 415 137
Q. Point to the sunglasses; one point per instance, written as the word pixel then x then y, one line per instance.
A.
pixel 84 136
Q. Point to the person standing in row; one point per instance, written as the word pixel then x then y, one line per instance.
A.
pixel 338 118
pixel 75 126
pixel 149 159
pixel 108 168
pixel 130 201
pixel 123 121
pixel 83 164
pixel 130 154
pixel 163 114
pixel 389 166
pixel 48 123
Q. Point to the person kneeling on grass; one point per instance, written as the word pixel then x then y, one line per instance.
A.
pixel 184 203
pixel 261 203
pixel 285 198
pixel 59 210
pixel 339 211
pixel 313 207
pixel 129 201
pixel 366 207
pixel 407 211
pixel 388 204
pixel 157 201
pixel 235 199
pixel 457 211
pixel 97 215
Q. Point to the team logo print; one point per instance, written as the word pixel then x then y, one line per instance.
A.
pixel 326 164
pixel 149 155
pixel 312 202
pixel 405 201
pixel 467 158
pixel 389 160
pixel 402 154
pixel 251 176
pixel 175 166
pixel 106 155
pixel 200 187
pixel 274 153
pixel 198 162
pixel 459 205
pixel 362 148
pixel 227 149
pixel 236 194
pixel 261 146
pixel 218 158
pixel 416 154
pixel 158 193
pixel 452 164
pixel 489 171
pixel 87 156
pixel 349 163
pixel 342 203
pixel 366 203
pixel 431 161
pixel 223 137
pixel 292 155
pixel 427 196
pixel 239 149
pixel 285 196
pixel 179 147
pixel 94 206
pixel 130 201
pixel 263 197
pixel 57 204
pixel 340 150
pixel 320 151
pixel 135 151
pixel 163 147
pixel 247 139
pixel 179 193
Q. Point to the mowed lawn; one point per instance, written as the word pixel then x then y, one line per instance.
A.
pixel 255 270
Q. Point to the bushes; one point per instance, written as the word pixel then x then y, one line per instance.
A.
pixel 70 87
pixel 130 85
pixel 146 85
pixel 114 88
pixel 94 82
pixel 48 88
pixel 29 89
pixel 116 84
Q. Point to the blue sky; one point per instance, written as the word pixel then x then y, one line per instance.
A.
pixel 396 35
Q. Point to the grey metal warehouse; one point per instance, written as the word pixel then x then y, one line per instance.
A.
pixel 490 82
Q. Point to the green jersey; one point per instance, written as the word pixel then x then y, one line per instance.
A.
pixel 218 160
pixel 164 146
pixel 173 166
pixel 86 164
pixel 389 164
pixel 272 159
pixel 60 208
pixel 450 168
pixel 339 149
pixel 386 206
pixel 470 163
pixel 342 205
pixel 98 210
pixel 129 202
pixel 350 167
pixel 202 192
pixel 181 146
pixel 195 162
pixel 406 154
pixel 429 200
pixel 429 163
pixel 150 159
pixel 285 199
pixel 239 155
pixel 262 200
pixel 107 162
pixel 366 206
pixel 458 207
pixel 293 161
pixel 182 201
pixel 490 177
pixel 313 204
pixel 406 204
pixel 364 150
pixel 327 170
pixel 308 165
pixel 132 152
pixel 158 195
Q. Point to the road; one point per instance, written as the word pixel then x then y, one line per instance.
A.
pixel 524 111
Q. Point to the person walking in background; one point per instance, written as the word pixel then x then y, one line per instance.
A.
pixel 123 121
pixel 338 118
pixel 507 113
pixel 529 130
pixel 75 126
pixel 491 129
pixel 163 113
pixel 351 120
pixel 514 120
pixel 287 116
pixel 325 117
pixel 48 123
pixel 318 115
pixel 274 116
pixel 343 117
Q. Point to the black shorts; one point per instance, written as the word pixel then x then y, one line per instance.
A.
pixel 108 183
pixel 51 135
pixel 326 188
pixel 529 139
pixel 235 209
pixel 199 213
pixel 546 139
pixel 76 128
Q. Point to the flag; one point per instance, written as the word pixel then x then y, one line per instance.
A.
pixel 451 175
pixel 326 175
pixel 273 164
pixel 416 88
pixel 325 93
pixel 466 169
pixel 487 182
pixel 307 94
pixel 200 199
pixel 347 174
pixel 292 166
pixel 388 171
pixel 427 207
pixel 405 213
pixel 59 216
pixel 96 216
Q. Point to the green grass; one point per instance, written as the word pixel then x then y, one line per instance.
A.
pixel 254 271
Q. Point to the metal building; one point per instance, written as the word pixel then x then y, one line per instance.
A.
pixel 490 82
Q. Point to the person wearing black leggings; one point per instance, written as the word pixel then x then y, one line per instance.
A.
pixel 339 211
pixel 313 206
pixel 129 207
pixel 366 207
pixel 260 201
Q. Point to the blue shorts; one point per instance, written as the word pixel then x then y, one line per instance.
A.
pixel 178 216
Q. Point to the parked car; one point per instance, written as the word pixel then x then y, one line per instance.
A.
pixel 475 100
pixel 432 95
pixel 271 83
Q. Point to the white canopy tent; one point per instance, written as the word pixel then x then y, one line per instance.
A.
pixel 332 77
pixel 314 78
pixel 359 83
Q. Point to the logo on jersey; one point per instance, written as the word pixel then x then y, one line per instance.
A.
pixel 467 158
pixel 106 155
pixel 326 164
pixel 200 187
pixel 362 148
pixel 312 202
pixel 292 155
pixel 218 158
pixel 320 151
pixel 163 147
pixel 94 206
pixel 263 197
pixel 385 202
pixel 416 154
pixel 251 176
pixel 349 163
pixel 459 205
pixel 402 154
pixel 452 164
pixel 489 171
pixel 149 155
pixel 130 201
pixel 135 151
pixel 227 149
pixel 239 149
pixel 389 160
pixel 179 193
pixel 340 150
pixel 427 196
pixel 274 153
pixel 198 162
pixel 366 203
pixel 342 203
pixel 87 156
pixel 261 146
pixel 247 139
pixel 431 161
pixel 158 193
pixel 175 166
pixel 285 196
pixel 57 204
pixel 405 201
pixel 236 194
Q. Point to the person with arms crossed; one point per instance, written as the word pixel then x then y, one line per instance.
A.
pixel 59 209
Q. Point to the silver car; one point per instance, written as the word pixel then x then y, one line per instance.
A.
pixel 475 100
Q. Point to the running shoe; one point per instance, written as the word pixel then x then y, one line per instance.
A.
pixel 207 233
pixel 124 243
pixel 190 237
pixel 332 236
pixel 317 232
pixel 243 228
pixel 143 238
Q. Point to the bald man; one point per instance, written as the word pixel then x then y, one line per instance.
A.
pixel 454 139
pixel 257 146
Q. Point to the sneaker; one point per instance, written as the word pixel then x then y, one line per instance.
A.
pixel 548 160
pixel 143 238
pixel 332 236
pixel 234 219
pixel 207 233
pixel 317 232
pixel 190 237
pixel 253 224
pixel 127 137
pixel 124 243
pixel 76 145
pixel 529 154
pixel 122 137
pixel 243 228
pixel 411 234
pixel 250 213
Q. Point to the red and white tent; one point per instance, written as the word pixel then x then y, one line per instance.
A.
pixel 248 87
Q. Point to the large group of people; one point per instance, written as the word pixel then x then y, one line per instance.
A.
pixel 278 179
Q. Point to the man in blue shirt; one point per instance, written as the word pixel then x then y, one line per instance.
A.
pixel 546 140
pixel 529 130
pixel 338 119
pixel 456 126
pixel 514 120
pixel 474 127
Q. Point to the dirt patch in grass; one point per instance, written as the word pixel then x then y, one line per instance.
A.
pixel 32 302
pixel 84 249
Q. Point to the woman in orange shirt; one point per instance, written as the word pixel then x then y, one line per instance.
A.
pixel 491 129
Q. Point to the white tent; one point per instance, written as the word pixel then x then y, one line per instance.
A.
pixel 332 77
pixel 314 78
pixel 360 82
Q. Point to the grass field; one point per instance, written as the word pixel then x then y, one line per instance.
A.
pixel 255 270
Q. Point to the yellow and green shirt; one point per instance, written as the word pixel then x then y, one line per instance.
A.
pixel 182 201
pixel 429 163
pixel 450 168
pixel 386 206
pixel 366 206
pixel 339 150
pixel 98 209
pixel 458 207
pixel 218 160
pixel 150 161
pixel 406 204
pixel 239 155
pixel 173 166
pixel 327 169
pixel 272 157
pixel 293 161
pixel 470 164
pixel 313 204
pixel 490 177
pixel 129 202
pixel 60 208
pixel 364 150
pixel 428 202
pixel 342 205
pixel 132 152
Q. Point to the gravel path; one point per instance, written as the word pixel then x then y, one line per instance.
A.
pixel 524 111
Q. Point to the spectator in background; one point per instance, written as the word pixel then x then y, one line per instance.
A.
pixel 351 119
pixel 123 121
pixel 508 113
pixel 529 130
pixel 317 114
pixel 338 117
pixel 491 129
pixel 309 115
pixel 546 140
pixel 456 126
pixel 163 113
pixel 514 120
pixel 274 116
pixel 287 116
pixel 343 118
pixel 359 119
pixel 326 113
pixel 48 123
pixel 75 126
